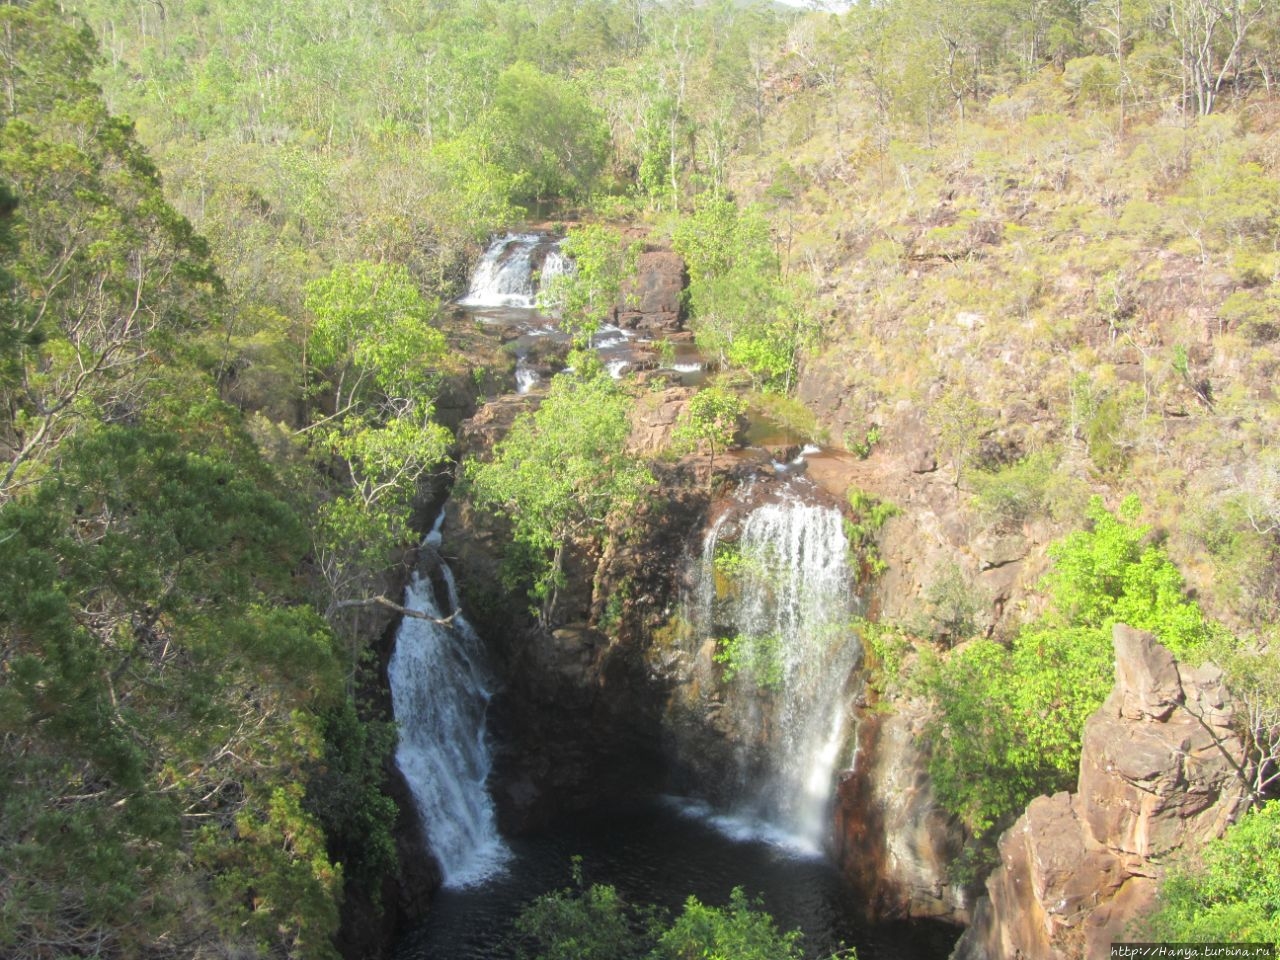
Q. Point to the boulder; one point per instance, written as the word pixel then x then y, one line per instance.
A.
pixel 654 419
pixel 651 300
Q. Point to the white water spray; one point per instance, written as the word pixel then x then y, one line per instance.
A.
pixel 776 589
pixel 439 692
pixel 514 269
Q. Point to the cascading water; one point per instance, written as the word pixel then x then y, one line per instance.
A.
pixel 775 590
pixel 439 692
pixel 513 271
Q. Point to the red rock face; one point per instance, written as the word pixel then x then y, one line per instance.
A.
pixel 893 841
pixel 1157 773
pixel 651 301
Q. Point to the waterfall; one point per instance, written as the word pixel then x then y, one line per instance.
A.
pixel 513 269
pixel 774 587
pixel 526 377
pixel 439 691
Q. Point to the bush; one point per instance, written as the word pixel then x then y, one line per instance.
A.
pixel 594 923
pixel 1233 893
pixel 1018 492
pixel 1010 720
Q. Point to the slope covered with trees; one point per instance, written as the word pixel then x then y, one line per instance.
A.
pixel 220 387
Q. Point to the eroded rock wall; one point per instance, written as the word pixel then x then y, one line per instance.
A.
pixel 1157 774
pixel 893 840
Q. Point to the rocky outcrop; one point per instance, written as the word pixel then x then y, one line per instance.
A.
pixel 654 420
pixel 1157 774
pixel 577 716
pixel 651 301
pixel 894 842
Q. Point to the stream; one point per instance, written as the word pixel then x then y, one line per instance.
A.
pixel 660 850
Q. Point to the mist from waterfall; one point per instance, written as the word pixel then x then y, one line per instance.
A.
pixel 440 689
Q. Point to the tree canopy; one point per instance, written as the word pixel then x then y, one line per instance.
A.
pixel 559 474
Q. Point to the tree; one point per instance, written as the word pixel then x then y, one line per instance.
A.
pixel 373 330
pixel 1211 35
pixel 961 423
pixel 373 339
pixel 744 313
pixel 156 699
pixel 710 417
pixel 106 275
pixel 545 132
pixel 589 294
pixel 558 475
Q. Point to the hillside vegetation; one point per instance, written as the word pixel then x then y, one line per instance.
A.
pixel 1048 227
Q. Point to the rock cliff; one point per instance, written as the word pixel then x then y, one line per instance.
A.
pixel 1157 774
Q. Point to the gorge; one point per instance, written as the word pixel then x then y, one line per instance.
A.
pixel 474 471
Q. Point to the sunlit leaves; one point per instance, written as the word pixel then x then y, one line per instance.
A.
pixel 1233 894
pixel 559 473
pixel 1011 718
pixel 373 318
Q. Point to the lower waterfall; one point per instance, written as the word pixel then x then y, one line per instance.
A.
pixel 440 689
pixel 775 590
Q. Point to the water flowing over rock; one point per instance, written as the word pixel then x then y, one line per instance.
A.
pixel 440 689
pixel 774 588
pixel 514 269
pixel 1157 774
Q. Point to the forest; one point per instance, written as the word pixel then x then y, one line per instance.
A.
pixel 1041 233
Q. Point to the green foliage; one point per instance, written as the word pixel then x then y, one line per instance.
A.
pixel 961 423
pixel 1011 719
pixel 1113 573
pixel 580 923
pixel 594 923
pixel 710 417
pixel 373 325
pixel 546 134
pixel 344 793
pixel 758 657
pixel 104 276
pixel 1104 433
pixel 159 688
pixel 952 606
pixel 1019 492
pixel 744 312
pixel 741 930
pixel 558 474
pixel 1253 312
pixel 1232 894
pixel 869 517
pixel 862 448
pixel 586 297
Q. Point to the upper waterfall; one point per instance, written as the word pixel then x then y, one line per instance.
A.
pixel 513 270
pixel 775 588
pixel 440 689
